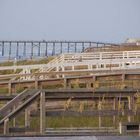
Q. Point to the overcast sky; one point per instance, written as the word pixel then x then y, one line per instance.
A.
pixel 97 20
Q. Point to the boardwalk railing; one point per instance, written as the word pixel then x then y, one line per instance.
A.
pixel 101 61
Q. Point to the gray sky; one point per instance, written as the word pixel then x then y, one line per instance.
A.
pixel 97 20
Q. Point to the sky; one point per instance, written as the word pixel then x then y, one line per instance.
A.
pixel 97 20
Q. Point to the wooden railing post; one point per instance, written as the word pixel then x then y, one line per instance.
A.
pixel 42 113
pixel 27 117
pixel 6 126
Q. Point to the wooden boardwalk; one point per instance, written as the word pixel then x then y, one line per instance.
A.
pixel 20 104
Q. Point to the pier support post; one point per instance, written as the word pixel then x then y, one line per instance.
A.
pixel 42 113
pixel 6 126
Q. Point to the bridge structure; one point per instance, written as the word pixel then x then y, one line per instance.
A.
pixel 29 49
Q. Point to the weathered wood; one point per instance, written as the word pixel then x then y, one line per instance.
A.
pixel 42 113
pixel 6 127
pixel 27 117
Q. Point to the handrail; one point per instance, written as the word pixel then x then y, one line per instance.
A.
pixel 19 108
pixel 77 56
pixel 13 102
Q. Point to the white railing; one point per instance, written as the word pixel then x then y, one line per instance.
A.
pixel 93 60
pixel 101 55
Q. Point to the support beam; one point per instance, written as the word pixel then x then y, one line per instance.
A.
pixel 68 47
pixel 94 78
pixel 83 46
pixel 100 121
pixel 32 48
pixel 65 83
pixel 9 87
pixel 46 51
pixel 57 69
pixel 139 129
pixel 24 51
pixel 120 128
pixel 2 52
pixel 17 51
pixel 10 50
pixel 63 69
pixel 99 108
pixel 27 117
pixel 53 49
pixel 6 126
pixel 123 77
pixel 42 113
pixel 39 49
pixel 36 82
pixel 75 49
pixel 129 107
pixel 61 47
pixel 115 105
pixel 14 119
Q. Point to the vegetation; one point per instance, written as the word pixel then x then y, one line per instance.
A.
pixel 27 62
pixel 23 62
pixel 79 121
